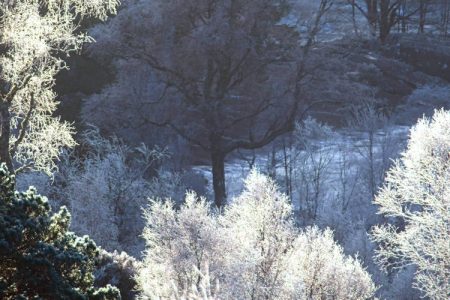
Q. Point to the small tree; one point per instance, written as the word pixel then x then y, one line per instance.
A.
pixel 35 37
pixel 417 194
pixel 312 166
pixel 39 258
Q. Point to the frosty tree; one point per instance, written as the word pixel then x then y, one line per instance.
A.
pixel 417 194
pixel 35 37
pixel 251 251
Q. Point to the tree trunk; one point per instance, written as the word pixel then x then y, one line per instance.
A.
pixel 218 172
pixel 386 19
pixel 423 14
pixel 372 15
pixel 444 17
pixel 5 134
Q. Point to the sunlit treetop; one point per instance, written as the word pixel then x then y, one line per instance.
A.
pixel 35 38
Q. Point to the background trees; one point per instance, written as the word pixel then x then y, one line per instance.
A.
pixel 39 258
pixel 35 38
pixel 416 195
pixel 228 74
pixel 383 15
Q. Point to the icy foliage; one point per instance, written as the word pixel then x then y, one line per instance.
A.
pixel 179 245
pixel 36 36
pixel 417 195
pixel 106 189
pixel 251 250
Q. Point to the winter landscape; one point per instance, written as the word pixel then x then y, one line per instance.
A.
pixel 225 149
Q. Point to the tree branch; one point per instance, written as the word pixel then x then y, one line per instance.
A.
pixel 24 126
pixel 15 88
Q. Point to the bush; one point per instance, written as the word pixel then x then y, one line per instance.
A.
pixel 118 269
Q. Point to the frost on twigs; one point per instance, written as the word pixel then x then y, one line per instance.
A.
pixel 417 194
pixel 251 250
pixel 35 37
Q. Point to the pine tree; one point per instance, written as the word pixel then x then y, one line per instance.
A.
pixel 39 257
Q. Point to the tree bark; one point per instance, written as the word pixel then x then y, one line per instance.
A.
pixel 5 134
pixel 444 17
pixel 372 15
pixel 218 172
pixel 387 18
pixel 422 15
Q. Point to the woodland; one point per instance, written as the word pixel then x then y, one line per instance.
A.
pixel 225 149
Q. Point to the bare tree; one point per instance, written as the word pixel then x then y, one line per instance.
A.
pixel 348 178
pixel 368 120
pixel 311 162
pixel 230 72
pixel 383 15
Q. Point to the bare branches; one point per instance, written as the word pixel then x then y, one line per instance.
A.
pixel 235 72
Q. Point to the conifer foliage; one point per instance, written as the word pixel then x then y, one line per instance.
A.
pixel 39 258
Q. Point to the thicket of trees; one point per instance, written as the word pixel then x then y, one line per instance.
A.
pixel 252 250
pixel 384 16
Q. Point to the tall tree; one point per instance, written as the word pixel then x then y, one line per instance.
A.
pixel 35 37
pixel 229 72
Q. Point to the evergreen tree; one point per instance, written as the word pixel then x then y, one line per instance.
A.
pixel 39 257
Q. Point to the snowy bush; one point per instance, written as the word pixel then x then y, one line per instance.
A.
pixel 251 250
pixel 107 188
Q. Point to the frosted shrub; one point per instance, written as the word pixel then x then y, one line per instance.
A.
pixel 324 270
pixel 260 228
pixel 106 190
pixel 117 269
pixel 251 250
pixel 179 246
pixel 417 194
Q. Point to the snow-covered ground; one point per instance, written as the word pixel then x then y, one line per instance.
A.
pixel 344 149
